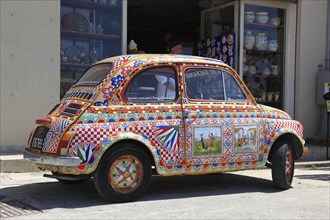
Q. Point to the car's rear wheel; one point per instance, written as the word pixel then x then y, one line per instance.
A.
pixel 283 165
pixel 123 174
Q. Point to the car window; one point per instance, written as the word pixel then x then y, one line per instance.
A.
pixel 232 90
pixel 94 75
pixel 204 84
pixel 153 85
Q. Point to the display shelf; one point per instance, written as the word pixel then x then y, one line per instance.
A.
pixel 76 65
pixel 84 35
pixel 90 5
pixel 262 26
pixel 262 76
pixel 260 52
pixel 90 32
pixel 272 103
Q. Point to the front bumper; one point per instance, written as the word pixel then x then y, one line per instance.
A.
pixel 51 160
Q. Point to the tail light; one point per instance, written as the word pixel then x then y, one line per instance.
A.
pixel 43 121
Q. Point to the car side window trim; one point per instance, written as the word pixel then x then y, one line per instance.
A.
pixel 165 82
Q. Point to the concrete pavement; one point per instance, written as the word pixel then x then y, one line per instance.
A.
pixel 238 195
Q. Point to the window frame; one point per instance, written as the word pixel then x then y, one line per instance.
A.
pixel 95 65
pixel 237 83
pixel 222 70
pixel 145 101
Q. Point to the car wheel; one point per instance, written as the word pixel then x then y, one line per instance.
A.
pixel 283 166
pixel 123 174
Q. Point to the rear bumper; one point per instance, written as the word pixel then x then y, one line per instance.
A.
pixel 51 160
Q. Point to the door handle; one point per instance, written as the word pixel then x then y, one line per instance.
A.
pixel 186 113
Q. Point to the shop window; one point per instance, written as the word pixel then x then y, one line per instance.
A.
pixel 264 51
pixel 153 85
pixel 90 31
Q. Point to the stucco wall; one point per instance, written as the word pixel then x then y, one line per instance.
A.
pixel 30 66
pixel 311 50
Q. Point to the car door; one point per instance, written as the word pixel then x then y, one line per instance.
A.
pixel 154 93
pixel 223 124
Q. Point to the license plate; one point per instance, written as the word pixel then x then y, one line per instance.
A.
pixel 39 138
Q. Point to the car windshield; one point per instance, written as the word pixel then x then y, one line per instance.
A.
pixel 94 75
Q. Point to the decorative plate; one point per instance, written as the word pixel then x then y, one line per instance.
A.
pixel 75 22
pixel 76 54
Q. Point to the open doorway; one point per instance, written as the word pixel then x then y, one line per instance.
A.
pixel 149 20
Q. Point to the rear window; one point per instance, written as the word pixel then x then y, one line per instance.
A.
pixel 94 75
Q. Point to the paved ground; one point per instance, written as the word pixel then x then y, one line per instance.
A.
pixel 240 195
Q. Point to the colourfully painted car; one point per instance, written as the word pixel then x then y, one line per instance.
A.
pixel 132 116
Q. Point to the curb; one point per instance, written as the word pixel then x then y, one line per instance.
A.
pixel 312 164
pixel 14 163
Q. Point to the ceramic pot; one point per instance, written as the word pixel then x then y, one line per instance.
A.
pixel 262 17
pixel 263 96
pixel 265 71
pixel 249 40
pixel 275 70
pixel 272 45
pixel 270 96
pixel 276 96
pixel 261 41
pixel 252 70
pixel 245 68
pixel 249 16
pixel 275 21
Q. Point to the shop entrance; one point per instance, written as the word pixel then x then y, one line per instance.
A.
pixel 149 20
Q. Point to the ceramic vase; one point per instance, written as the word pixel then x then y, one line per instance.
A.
pixel 249 16
pixel 272 45
pixel 261 41
pixel 249 40
pixel 262 17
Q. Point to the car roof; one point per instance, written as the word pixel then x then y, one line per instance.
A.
pixel 164 58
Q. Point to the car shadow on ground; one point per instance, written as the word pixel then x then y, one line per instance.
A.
pixel 323 177
pixel 49 195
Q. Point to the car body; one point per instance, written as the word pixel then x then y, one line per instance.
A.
pixel 131 115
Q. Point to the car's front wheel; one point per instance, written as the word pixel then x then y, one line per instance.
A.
pixel 283 165
pixel 123 174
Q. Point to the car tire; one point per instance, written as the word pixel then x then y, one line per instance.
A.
pixel 282 166
pixel 123 174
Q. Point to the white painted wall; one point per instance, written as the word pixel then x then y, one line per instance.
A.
pixel 311 50
pixel 30 66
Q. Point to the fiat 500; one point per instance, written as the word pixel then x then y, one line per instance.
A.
pixel 132 116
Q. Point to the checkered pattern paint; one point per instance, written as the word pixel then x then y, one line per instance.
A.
pixel 97 133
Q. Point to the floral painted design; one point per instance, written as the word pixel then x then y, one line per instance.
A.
pixel 107 92
pixel 138 62
pixel 115 81
pixel 126 70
